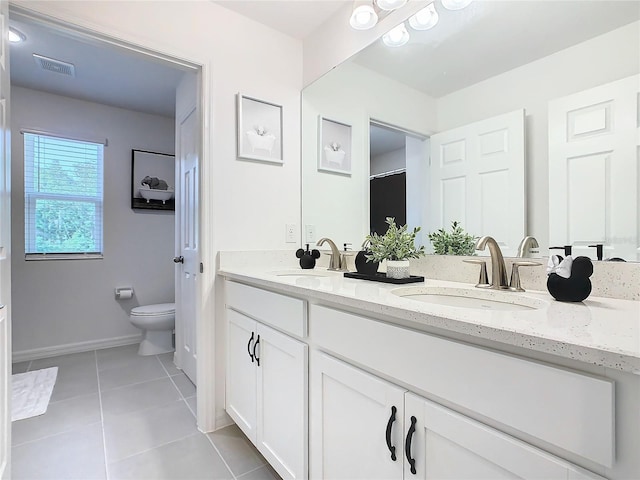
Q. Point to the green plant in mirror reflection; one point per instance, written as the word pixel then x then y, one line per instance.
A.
pixel 396 244
pixel 456 242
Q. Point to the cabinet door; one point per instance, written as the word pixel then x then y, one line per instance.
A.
pixel 241 373
pixel 351 413
pixel 282 402
pixel 447 445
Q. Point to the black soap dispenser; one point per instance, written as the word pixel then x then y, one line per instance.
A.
pixel 307 258
pixel 566 248
pixel 599 250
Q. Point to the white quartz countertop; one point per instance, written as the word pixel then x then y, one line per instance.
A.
pixel 599 331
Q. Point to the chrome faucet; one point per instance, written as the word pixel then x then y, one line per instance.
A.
pixel 527 243
pixel 335 261
pixel 498 268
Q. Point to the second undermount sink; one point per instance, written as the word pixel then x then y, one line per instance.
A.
pixel 471 298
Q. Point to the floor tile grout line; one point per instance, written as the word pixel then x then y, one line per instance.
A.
pixel 251 471
pixel 220 455
pixel 55 434
pixel 158 446
pixel 111 389
pixel 104 436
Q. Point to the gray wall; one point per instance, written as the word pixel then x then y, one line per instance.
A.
pixel 71 302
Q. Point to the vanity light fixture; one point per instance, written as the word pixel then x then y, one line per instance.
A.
pixel 425 18
pixel 455 4
pixel 396 37
pixel 363 16
pixel 16 36
pixel 389 5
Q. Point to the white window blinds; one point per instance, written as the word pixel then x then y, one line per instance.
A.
pixel 63 181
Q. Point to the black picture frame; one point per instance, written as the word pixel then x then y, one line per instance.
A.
pixel 152 164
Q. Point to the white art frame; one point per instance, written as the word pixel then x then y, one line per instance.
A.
pixel 259 130
pixel 334 146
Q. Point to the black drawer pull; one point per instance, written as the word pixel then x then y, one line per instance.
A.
pixel 392 419
pixel 407 445
pixel 249 347
pixel 255 345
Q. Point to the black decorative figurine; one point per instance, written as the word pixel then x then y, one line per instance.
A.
pixel 575 288
pixel 307 258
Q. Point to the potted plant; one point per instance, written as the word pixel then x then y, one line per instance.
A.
pixel 396 246
pixel 456 242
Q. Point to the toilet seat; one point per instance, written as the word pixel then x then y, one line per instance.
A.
pixel 154 310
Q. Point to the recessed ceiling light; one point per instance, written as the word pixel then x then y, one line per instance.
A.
pixel 396 37
pixel 16 36
pixel 455 4
pixel 425 18
pixel 363 17
pixel 390 4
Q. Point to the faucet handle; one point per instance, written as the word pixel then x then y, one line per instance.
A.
pixel 483 280
pixel 514 284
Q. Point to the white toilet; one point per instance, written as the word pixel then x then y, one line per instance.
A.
pixel 157 323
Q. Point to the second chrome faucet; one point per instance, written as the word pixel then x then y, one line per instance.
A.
pixel 498 267
pixel 337 261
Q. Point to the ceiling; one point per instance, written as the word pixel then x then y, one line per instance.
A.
pixel 469 45
pixel 104 73
pixel 296 18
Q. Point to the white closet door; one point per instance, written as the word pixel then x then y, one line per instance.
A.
pixel 447 445
pixel 351 413
pixel 477 178
pixel 5 247
pixel 593 169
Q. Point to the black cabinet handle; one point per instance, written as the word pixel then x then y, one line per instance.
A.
pixel 407 445
pixel 392 419
pixel 249 347
pixel 255 345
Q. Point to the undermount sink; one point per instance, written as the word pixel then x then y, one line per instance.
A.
pixel 477 299
pixel 303 273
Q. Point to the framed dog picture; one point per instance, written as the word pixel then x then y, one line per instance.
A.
pixel 152 180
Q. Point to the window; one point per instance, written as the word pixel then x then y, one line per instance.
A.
pixel 62 197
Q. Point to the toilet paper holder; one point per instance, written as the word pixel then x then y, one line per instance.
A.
pixel 124 293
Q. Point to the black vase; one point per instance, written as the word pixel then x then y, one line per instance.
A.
pixel 364 266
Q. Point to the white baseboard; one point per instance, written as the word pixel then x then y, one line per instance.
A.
pixel 36 353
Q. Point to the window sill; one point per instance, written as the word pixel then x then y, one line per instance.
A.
pixel 63 256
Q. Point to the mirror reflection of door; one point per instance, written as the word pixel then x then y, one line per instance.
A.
pixel 398 164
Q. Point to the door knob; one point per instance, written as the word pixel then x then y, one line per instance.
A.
pixel 179 259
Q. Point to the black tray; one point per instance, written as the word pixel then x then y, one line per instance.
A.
pixel 382 277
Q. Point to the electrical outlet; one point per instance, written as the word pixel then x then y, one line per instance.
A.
pixel 309 233
pixel 290 234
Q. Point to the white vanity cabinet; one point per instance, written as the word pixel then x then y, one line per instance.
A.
pixel 266 376
pixel 363 427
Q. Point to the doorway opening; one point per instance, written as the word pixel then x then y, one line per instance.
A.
pixel 157 100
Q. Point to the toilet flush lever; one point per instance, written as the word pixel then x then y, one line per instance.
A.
pixel 179 259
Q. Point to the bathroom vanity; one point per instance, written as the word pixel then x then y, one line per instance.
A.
pixel 333 377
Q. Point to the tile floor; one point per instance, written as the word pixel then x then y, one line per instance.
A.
pixel 116 415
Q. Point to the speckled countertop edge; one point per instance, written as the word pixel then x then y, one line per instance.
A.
pixel 600 331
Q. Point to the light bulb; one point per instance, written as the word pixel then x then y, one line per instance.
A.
pixel 363 17
pixel 425 18
pixel 396 37
pixel 455 4
pixel 15 36
pixel 390 4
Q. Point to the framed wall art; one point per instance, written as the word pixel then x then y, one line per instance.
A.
pixel 259 130
pixel 334 146
pixel 152 180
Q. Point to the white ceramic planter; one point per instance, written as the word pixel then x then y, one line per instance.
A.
pixel 398 268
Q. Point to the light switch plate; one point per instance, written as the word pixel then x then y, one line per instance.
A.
pixel 290 235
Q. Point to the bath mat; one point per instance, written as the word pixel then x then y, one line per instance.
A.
pixel 31 392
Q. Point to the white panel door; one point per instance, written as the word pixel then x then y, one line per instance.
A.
pixel 477 178
pixel 594 145
pixel 447 445
pixel 187 244
pixel 5 247
pixel 241 377
pixel 355 423
pixel 282 388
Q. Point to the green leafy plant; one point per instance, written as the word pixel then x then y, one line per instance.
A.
pixel 396 244
pixel 456 242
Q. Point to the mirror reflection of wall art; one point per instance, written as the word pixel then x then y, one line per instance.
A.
pixel 259 130
pixel 152 180
pixel 334 151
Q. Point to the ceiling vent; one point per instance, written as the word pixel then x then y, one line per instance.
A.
pixel 53 65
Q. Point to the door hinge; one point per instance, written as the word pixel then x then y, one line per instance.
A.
pixel 201 268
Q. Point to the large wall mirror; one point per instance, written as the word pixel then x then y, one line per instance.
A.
pixel 513 118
